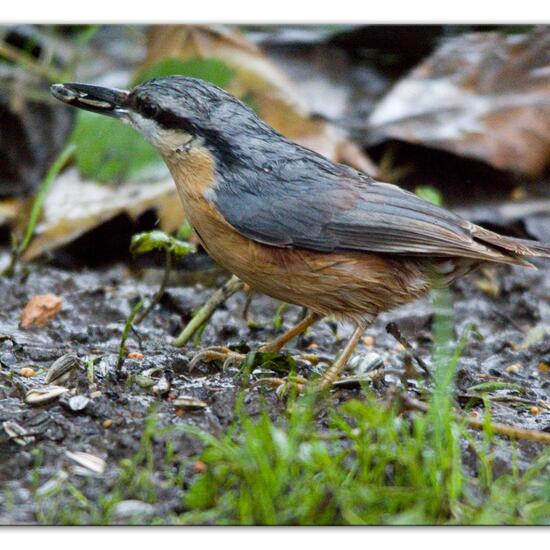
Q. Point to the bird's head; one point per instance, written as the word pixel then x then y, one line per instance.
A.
pixel 173 114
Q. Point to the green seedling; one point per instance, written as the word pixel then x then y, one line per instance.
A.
pixel 171 246
pixel 126 331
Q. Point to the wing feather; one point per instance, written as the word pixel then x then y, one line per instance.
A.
pixel 314 204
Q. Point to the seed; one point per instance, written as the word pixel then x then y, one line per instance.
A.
pixel 14 430
pixel 131 508
pixel 369 341
pixel 107 423
pixel 42 396
pixel 61 369
pixel 534 410
pixel 514 368
pixel 189 403
pixel 27 372
pixel 136 355
pixel 87 460
pixel 162 387
pixel 543 367
pixel 78 403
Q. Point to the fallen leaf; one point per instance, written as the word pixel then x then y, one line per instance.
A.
pixel 40 310
pixel 480 95
pixel 75 206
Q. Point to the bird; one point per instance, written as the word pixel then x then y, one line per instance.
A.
pixel 291 223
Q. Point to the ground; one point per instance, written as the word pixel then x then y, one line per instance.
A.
pixel 508 347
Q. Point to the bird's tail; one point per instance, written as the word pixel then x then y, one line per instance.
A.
pixel 512 248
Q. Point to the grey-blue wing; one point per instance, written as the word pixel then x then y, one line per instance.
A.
pixel 318 205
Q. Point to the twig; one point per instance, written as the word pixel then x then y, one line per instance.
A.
pixel 233 285
pixel 161 290
pixel 513 432
pixel 393 330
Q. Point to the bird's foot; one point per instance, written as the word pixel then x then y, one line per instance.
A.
pixel 228 357
pixel 266 352
pixel 283 386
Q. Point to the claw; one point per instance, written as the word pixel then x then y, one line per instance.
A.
pixel 217 353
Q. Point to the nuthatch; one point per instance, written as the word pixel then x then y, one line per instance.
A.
pixel 289 222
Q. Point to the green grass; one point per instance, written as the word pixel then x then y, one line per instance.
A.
pixel 360 463
pixel 370 465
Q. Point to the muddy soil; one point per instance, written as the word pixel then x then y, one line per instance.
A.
pixel 510 310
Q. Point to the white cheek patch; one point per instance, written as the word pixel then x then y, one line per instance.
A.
pixel 166 141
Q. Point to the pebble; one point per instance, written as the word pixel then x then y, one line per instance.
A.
pixel 127 508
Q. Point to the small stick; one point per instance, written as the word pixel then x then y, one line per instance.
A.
pixel 513 432
pixel 233 285
pixel 393 330
pixel 160 292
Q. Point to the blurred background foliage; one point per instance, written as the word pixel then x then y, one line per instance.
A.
pixel 460 112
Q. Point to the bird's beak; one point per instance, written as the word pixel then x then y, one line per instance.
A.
pixel 105 101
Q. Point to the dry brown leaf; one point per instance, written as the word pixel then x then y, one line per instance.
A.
pixel 40 310
pixel 75 206
pixel 481 95
pixel 275 96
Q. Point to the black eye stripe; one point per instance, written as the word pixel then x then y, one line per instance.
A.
pixel 146 107
pixel 171 121
pixel 164 117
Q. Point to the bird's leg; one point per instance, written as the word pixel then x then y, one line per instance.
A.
pixel 331 374
pixel 296 330
pixel 329 377
pixel 230 357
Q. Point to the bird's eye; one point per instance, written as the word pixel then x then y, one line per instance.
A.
pixel 148 108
